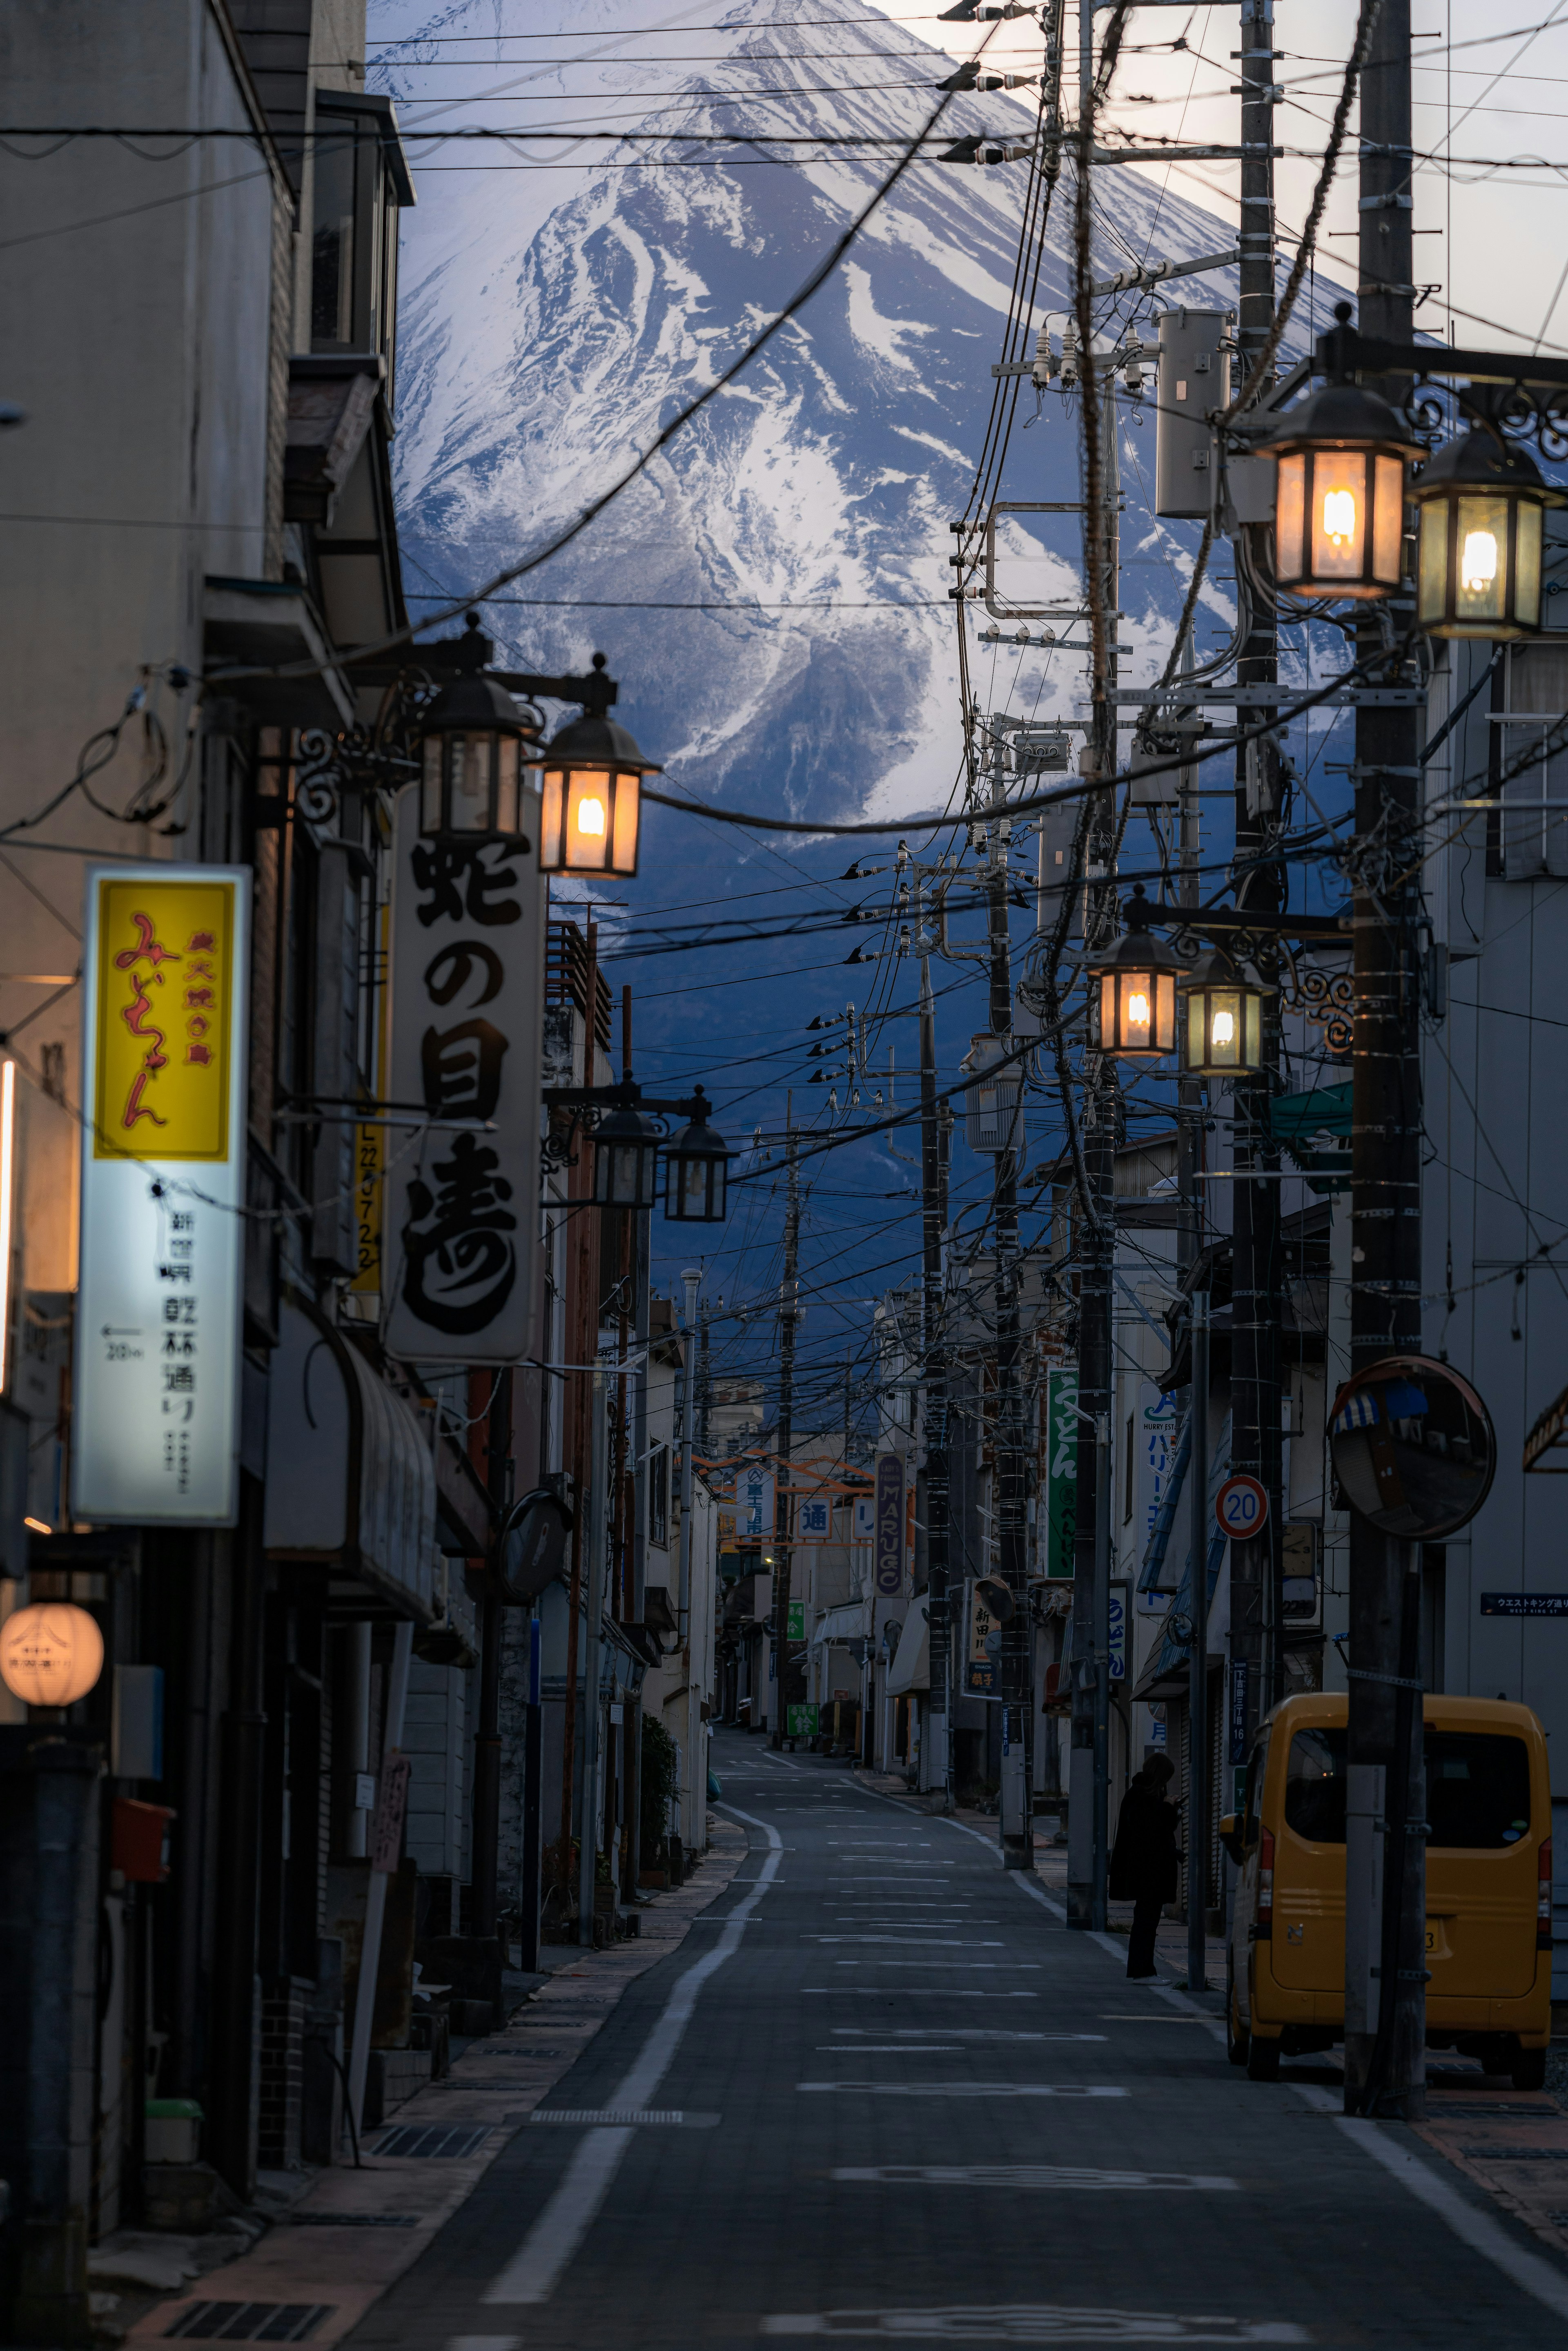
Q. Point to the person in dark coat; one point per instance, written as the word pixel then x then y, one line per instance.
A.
pixel 1144 1861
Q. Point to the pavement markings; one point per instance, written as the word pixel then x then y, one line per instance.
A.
pixel 1027 2175
pixel 1034 2322
pixel 908 1992
pixel 621 2115
pixel 968 2031
pixel 973 2089
pixel 976 1967
pixel 892 2048
pixel 937 1943
pixel 483 2342
pixel 535 2269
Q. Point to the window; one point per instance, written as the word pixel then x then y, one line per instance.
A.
pixel 362 181
pixel 1315 1786
pixel 1478 1788
pixel 659 1496
pixel 1258 1764
pixel 1534 838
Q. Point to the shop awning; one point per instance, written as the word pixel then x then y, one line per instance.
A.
pixel 850 1623
pixel 350 1479
pixel 911 1666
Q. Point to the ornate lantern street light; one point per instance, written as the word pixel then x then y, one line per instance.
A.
pixel 594 774
pixel 1136 989
pixel 473 743
pixel 626 1160
pixel 696 1170
pixel 1339 511
pixel 1222 1020
pixel 1477 573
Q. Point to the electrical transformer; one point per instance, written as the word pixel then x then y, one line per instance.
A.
pixel 1194 381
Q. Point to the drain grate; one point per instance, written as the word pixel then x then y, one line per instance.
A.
pixel 249 2322
pixel 353 2220
pixel 432 2139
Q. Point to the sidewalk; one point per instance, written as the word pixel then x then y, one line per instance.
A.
pixel 350 2235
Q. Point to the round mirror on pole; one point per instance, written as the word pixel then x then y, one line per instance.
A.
pixel 625 1161
pixel 1222 1019
pixel 1478 569
pixel 1133 992
pixel 532 1549
pixel 1413 1448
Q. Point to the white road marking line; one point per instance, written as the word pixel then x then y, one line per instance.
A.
pixel 1470 2224
pixel 535 2269
pixel 1034 2322
pixel 904 1942
pixel 970 2032
pixel 892 2048
pixel 973 2089
pixel 1029 2174
pixel 975 1967
pixel 910 1991
pixel 483 2342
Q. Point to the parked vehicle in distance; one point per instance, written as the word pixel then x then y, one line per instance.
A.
pixel 1488 1887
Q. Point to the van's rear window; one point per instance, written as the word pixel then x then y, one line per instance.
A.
pixel 1478 1788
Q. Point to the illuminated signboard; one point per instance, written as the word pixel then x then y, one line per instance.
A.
pixel 155 1427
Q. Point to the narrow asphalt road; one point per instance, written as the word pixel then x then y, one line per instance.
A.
pixel 881 2092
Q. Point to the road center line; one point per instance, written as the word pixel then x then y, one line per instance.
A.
pixel 535 2269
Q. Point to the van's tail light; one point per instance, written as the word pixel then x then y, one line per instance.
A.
pixel 1265 1914
pixel 1543 1898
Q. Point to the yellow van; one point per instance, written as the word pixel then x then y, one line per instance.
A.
pixel 1488 1887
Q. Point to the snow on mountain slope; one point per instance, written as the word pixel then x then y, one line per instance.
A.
pixel 552 321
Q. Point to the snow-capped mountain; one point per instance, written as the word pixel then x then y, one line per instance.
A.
pixel 542 347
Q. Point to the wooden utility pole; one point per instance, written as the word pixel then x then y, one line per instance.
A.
pixel 783 1529
pixel 938 1768
pixel 1384 2059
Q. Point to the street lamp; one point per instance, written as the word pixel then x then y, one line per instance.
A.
pixel 1222 1020
pixel 1136 991
pixel 1339 509
pixel 1477 572
pixel 625 1161
pixel 594 774
pixel 696 1170
pixel 472 761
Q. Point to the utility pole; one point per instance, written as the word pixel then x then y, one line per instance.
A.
pixel 783 1530
pixel 1088 1815
pixel 938 1765
pixel 596 1543
pixel 1016 1808
pixel 1256 1256
pixel 1385 2055
pixel 1197 1656
pixel 482 1879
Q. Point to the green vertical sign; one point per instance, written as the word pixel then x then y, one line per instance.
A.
pixel 1060 1471
pixel 797 1620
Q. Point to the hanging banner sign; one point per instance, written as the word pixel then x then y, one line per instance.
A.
pixel 890 1535
pixel 864 1518
pixel 814 1522
pixel 467 991
pixel 754 1504
pixel 156 1424
pixel 1060 1472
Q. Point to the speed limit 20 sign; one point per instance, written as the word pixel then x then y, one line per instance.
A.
pixel 1241 1508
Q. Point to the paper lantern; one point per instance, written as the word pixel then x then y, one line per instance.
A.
pixel 50 1654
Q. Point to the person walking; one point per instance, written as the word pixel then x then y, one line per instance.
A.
pixel 1144 1859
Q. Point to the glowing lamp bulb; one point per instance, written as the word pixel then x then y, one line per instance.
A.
pixel 1339 516
pixel 1137 1009
pixel 1224 1028
pixel 1477 561
pixel 590 817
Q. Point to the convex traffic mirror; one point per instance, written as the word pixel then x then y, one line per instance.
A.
pixel 1413 1448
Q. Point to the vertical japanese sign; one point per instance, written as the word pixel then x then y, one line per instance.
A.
pixel 754 1504
pixel 982 1667
pixel 1060 1471
pixel 888 1542
pixel 461 1200
pixel 155 1428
